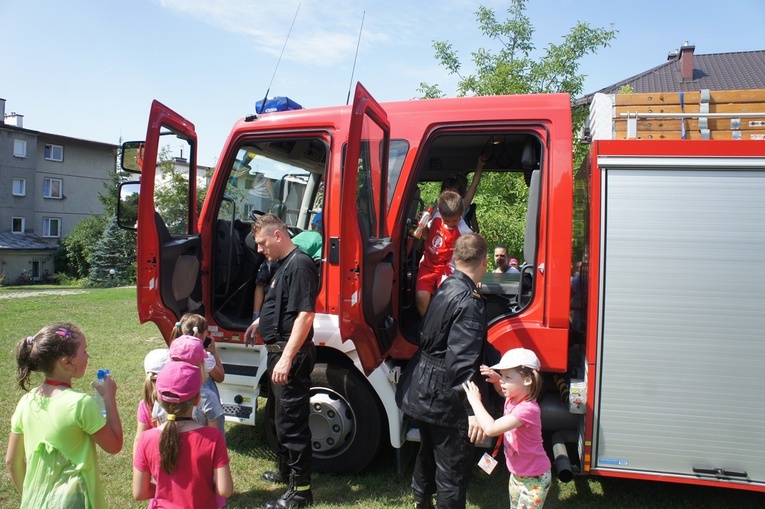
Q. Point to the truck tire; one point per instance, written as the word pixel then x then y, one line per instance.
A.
pixel 346 420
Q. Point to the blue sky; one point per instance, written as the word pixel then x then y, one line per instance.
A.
pixel 90 68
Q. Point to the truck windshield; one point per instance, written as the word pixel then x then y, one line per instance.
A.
pixel 259 184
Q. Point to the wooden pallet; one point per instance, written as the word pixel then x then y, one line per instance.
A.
pixel 702 106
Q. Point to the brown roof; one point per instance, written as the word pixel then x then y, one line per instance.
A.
pixel 716 71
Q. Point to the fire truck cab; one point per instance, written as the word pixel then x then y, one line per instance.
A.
pixel 362 166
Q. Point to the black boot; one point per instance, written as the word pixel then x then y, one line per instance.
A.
pixel 279 476
pixel 423 502
pixel 298 495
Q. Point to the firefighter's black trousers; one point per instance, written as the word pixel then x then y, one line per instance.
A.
pixel 292 408
pixel 443 466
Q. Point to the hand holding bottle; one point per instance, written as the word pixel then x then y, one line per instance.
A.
pixel 423 222
pixel 105 392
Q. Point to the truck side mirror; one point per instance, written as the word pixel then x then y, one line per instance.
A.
pixel 131 158
pixel 127 206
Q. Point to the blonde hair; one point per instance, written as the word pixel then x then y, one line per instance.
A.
pixel 150 390
pixel 190 324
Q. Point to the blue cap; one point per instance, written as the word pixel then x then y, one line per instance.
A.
pixel 317 219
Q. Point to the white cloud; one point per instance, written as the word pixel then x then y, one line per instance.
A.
pixel 324 33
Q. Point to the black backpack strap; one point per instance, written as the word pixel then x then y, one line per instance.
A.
pixel 279 293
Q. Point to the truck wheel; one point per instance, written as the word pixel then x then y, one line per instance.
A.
pixel 346 421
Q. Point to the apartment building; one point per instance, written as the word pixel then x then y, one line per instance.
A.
pixel 48 183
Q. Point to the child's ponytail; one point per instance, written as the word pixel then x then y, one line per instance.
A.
pixel 176 330
pixel 169 445
pixel 25 363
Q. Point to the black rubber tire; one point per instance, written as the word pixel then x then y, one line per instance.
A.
pixel 362 420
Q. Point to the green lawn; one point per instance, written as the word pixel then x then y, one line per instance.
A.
pixel 117 341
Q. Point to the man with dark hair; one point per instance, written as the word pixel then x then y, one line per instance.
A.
pixel 452 347
pixel 501 259
pixel 286 326
pixel 505 265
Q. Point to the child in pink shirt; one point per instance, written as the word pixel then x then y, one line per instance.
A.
pixel 521 425
pixel 181 464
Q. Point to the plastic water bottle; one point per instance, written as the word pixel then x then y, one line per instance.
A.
pixel 423 223
pixel 100 377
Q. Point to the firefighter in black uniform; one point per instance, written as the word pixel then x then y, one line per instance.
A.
pixel 452 344
pixel 286 326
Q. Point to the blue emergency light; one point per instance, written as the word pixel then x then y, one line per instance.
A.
pixel 277 104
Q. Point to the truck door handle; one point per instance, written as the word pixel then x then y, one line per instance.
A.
pixel 719 472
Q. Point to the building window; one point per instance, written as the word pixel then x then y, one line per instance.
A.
pixel 20 148
pixel 18 225
pixel 54 152
pixel 19 187
pixel 52 188
pixel 51 227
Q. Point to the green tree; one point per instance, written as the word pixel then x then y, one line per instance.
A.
pixel 514 68
pixel 112 261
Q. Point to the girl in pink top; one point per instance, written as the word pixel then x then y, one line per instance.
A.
pixel 520 383
pixel 181 464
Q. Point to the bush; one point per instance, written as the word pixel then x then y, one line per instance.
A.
pixel 73 255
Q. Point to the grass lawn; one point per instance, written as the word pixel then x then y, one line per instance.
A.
pixel 117 341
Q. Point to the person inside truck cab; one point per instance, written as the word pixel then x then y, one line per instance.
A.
pixel 442 232
pixel 265 273
pixel 459 184
pixel 310 241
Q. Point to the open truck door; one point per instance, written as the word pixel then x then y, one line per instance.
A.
pixel 365 247
pixel 168 250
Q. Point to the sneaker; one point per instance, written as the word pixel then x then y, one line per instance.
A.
pixel 293 497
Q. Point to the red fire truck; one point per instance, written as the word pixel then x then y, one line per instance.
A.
pixel 651 347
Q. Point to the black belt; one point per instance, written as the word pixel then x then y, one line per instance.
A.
pixel 278 347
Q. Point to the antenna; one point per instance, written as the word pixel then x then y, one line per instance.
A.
pixel 263 105
pixel 350 85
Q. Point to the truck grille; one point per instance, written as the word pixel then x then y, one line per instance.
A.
pixel 242 412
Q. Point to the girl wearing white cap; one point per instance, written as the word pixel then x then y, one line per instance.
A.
pixel 152 365
pixel 520 383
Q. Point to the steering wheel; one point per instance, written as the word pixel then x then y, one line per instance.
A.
pixel 255 214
